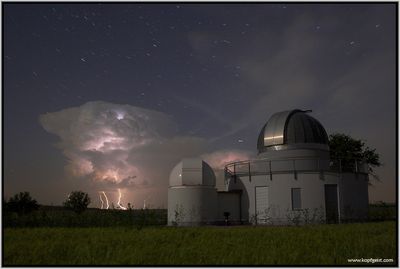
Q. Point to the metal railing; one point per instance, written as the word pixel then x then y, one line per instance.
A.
pixel 265 167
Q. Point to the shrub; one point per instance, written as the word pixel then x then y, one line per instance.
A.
pixel 21 203
pixel 78 201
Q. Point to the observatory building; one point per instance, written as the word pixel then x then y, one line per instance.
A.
pixel 291 181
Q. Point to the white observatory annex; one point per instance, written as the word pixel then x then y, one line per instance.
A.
pixel 292 181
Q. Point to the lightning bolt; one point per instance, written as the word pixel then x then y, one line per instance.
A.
pixel 144 201
pixel 102 202
pixel 106 199
pixel 119 200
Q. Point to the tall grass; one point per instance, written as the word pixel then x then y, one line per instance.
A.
pixel 310 245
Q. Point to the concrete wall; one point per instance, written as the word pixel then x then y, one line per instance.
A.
pixel 191 205
pixel 220 179
pixel 352 192
pixel 279 194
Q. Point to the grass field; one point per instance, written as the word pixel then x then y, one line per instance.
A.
pixel 245 245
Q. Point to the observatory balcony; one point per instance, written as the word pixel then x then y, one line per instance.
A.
pixel 269 167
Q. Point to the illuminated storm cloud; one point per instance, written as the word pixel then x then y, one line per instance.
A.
pixel 98 137
pixel 126 148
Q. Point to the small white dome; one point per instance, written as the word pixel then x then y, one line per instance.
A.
pixel 192 172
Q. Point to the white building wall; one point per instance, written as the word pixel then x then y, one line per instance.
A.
pixel 352 192
pixel 220 179
pixel 280 200
pixel 191 205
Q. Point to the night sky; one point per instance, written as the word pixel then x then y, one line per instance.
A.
pixel 101 97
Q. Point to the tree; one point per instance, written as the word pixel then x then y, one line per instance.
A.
pixel 78 201
pixel 22 203
pixel 347 150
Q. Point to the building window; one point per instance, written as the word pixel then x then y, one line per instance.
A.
pixel 296 198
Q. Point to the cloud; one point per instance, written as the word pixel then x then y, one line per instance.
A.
pixel 218 159
pixel 101 139
pixel 110 147
pixel 98 137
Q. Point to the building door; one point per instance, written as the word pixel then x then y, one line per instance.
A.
pixel 262 207
pixel 331 203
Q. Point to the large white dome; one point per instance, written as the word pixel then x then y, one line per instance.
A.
pixel 292 129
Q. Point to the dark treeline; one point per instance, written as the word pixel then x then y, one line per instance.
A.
pixel 48 216
pixel 382 211
pixel 22 210
pixel 57 216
